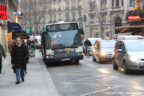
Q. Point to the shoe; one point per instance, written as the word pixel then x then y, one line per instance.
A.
pixel 22 80
pixel 17 83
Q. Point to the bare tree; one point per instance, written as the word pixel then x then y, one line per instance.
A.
pixel 35 13
pixel 100 20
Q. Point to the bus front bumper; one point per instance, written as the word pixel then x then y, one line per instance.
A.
pixel 64 57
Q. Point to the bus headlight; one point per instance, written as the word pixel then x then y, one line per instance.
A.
pixel 48 57
pixel 49 52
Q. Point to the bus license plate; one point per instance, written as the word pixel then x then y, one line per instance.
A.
pixel 66 59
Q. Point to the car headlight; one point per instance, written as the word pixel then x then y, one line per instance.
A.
pixel 134 59
pixel 102 53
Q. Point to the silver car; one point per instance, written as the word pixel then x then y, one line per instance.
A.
pixel 129 55
pixel 103 50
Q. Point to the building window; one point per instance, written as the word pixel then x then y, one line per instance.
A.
pixel 92 18
pixel 80 4
pixel 67 16
pixel 107 34
pixel 92 5
pixel 96 35
pixel 113 3
pixel 117 3
pixel 132 3
pixel 103 4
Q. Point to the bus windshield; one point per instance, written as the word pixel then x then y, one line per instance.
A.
pixel 62 27
pixel 63 39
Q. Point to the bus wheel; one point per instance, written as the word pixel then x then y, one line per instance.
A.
pixel 76 61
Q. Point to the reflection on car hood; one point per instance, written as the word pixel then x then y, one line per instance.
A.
pixel 107 50
pixel 137 54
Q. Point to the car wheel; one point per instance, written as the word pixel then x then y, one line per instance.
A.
pixel 115 67
pixel 126 70
pixel 100 61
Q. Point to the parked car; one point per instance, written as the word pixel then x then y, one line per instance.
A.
pixel 129 37
pixel 129 55
pixel 92 40
pixel 103 50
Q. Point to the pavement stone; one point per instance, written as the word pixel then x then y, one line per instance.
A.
pixel 38 81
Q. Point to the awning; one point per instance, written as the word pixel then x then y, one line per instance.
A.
pixel 14 27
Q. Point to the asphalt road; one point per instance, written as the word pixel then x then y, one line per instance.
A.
pixel 92 79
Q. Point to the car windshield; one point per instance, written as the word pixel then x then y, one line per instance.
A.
pixel 135 45
pixel 92 41
pixel 108 44
pixel 62 39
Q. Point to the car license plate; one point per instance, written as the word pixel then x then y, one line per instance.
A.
pixel 66 59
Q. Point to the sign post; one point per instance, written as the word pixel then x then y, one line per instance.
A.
pixel 27 29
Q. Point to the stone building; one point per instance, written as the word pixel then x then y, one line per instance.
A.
pixel 99 17
pixel 104 16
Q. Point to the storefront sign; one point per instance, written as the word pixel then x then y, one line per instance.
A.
pixel 3 12
pixel 21 35
pixel 134 18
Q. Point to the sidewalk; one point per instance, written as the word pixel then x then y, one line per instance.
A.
pixel 37 81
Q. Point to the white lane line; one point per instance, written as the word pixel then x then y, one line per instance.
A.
pixel 104 70
pixel 82 79
pixel 63 74
pixel 98 91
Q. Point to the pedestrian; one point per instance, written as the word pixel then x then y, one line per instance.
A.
pixel 11 51
pixel 2 53
pixel 87 43
pixel 19 59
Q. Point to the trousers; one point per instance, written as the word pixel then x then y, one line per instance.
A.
pixel 19 74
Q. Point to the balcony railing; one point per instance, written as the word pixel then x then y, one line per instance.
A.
pixel 103 10
pixel 117 8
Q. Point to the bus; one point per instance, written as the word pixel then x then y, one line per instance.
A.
pixel 62 42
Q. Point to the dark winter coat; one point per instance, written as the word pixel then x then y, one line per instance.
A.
pixel 87 43
pixel 2 52
pixel 20 56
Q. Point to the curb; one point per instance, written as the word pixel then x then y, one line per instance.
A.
pixel 52 90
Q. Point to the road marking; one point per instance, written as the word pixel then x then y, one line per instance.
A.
pixel 104 70
pixel 67 73
pixel 86 94
pixel 63 74
pixel 83 79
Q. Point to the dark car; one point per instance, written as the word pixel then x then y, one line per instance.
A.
pixel 103 50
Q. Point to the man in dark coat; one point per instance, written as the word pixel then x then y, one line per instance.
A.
pixel 87 43
pixel 19 59
pixel 2 53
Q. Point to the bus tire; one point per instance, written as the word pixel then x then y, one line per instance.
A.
pixel 76 61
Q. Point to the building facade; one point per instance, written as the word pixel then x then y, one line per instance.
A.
pixel 104 16
pixel 99 18
pixel 12 6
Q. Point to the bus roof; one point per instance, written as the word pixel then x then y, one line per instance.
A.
pixel 61 23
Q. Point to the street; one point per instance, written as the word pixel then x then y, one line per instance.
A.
pixel 93 79
pixel 68 79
